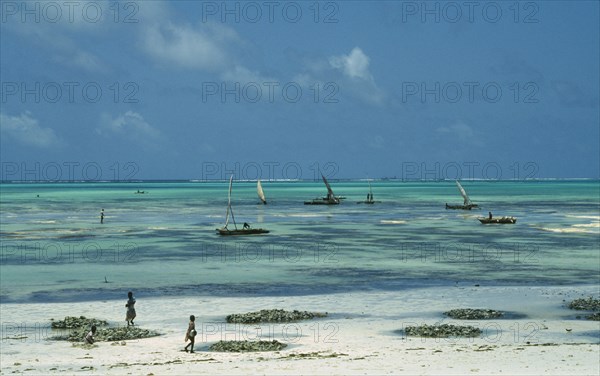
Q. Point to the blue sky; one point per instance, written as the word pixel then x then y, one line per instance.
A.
pixel 197 89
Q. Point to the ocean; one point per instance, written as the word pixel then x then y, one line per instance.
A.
pixel 163 242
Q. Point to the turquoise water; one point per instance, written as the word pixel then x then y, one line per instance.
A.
pixel 164 243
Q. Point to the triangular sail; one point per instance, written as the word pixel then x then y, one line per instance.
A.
pixel 260 192
pixel 330 194
pixel 229 208
pixel 463 193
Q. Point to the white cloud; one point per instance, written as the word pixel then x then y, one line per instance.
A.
pixel 188 47
pixel 209 47
pixel 26 129
pixel 354 65
pixel 461 132
pixel 63 30
pixel 130 124
pixel 82 59
pixel 348 72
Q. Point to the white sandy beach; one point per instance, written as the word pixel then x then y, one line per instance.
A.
pixel 361 335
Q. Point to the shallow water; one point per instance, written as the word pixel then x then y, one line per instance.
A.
pixel 164 243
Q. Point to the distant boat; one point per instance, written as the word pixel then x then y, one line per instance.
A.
pixel 369 199
pixel 245 230
pixel 467 204
pixel 260 192
pixel 487 220
pixel 330 199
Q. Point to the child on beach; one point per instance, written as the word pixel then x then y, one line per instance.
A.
pixel 130 308
pixel 190 334
pixel 89 338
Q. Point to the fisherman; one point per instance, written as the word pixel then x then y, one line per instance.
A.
pixel 490 215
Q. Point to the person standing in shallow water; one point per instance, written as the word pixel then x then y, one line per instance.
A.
pixel 130 308
pixel 190 334
pixel 490 213
pixel 102 216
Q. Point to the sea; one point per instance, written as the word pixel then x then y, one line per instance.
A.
pixel 163 242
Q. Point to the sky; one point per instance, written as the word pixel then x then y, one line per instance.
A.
pixel 106 90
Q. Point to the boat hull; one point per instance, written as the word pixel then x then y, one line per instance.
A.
pixel 239 232
pixel 462 207
pixel 501 220
pixel 321 202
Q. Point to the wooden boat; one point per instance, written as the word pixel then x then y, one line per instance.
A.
pixel 467 204
pixel 369 200
pixel 488 220
pixel 260 192
pixel 245 230
pixel 330 199
pixel 462 207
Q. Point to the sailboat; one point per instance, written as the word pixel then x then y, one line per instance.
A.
pixel 369 199
pixel 330 199
pixel 467 204
pixel 260 192
pixel 245 230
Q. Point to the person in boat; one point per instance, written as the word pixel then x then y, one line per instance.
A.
pixel 246 226
pixel 490 215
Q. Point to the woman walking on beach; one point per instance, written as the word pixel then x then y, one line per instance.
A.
pixel 130 308
pixel 190 334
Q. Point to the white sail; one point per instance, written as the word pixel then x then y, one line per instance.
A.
pixel 463 193
pixel 260 192
pixel 330 194
pixel 229 209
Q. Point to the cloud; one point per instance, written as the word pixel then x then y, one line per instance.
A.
pixel 348 72
pixel 64 27
pixel 26 130
pixel 354 65
pixel 130 125
pixel 83 60
pixel 206 47
pixel 188 47
pixel 460 132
